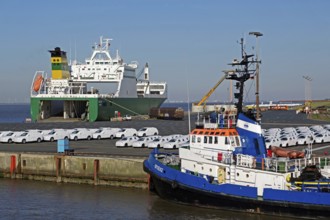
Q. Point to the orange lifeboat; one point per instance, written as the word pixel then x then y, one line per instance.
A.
pixel 292 154
pixel 37 83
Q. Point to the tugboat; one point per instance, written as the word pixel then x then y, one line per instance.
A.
pixel 227 166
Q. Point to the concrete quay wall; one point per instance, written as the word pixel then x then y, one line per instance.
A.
pixel 126 172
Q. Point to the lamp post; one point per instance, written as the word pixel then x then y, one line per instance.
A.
pixel 257 35
pixel 308 92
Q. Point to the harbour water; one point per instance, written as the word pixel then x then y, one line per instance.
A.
pixel 14 113
pixel 24 199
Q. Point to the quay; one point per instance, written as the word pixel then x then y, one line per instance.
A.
pixel 100 162
pixel 96 170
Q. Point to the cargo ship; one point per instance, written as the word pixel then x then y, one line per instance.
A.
pixel 74 91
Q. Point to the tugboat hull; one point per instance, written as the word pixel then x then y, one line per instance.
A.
pixel 174 190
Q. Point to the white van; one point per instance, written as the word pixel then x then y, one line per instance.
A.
pixel 176 142
pixel 4 133
pixel 125 132
pixel 143 141
pixel 9 137
pixel 147 131
pixel 159 142
pixel 58 134
pixel 29 136
pixel 82 133
pixel 105 133
pixel 126 141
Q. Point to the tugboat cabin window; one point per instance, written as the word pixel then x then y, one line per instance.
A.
pixel 226 140
pixel 237 141
pixel 215 140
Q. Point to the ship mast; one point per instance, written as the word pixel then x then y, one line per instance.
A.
pixel 241 74
pixel 257 34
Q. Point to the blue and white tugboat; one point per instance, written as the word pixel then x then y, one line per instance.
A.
pixel 226 165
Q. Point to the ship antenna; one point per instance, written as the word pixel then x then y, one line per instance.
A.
pixel 257 34
pixel 189 123
pixel 75 50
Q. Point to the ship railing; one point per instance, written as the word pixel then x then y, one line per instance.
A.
pixel 284 165
pixel 207 122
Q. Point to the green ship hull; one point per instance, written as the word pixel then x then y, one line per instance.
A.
pixel 90 109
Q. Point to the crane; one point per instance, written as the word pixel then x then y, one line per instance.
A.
pixel 205 97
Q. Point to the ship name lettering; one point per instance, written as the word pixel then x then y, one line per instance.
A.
pixel 160 169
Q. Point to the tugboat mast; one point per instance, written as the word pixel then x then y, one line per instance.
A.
pixel 241 74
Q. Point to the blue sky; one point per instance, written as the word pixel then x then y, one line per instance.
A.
pixel 186 43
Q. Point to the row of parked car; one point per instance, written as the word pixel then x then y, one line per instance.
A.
pixel 73 134
pixel 292 136
pixel 167 142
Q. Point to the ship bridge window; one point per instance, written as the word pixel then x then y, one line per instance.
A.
pixel 87 62
pixel 193 139
pixel 215 139
pixel 156 87
pixel 205 139
pixel 226 140
pixel 198 139
pixel 232 141
pixel 97 62
pixel 210 139
pixel 237 141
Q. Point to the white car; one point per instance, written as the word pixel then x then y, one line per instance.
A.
pixel 322 137
pixel 126 141
pixel 159 142
pixel 58 134
pixel 105 133
pixel 287 141
pixel 127 118
pixel 176 142
pixel 272 141
pixel 147 131
pixel 82 133
pixel 29 136
pixel 4 133
pixel 9 137
pixel 126 132
pixel 304 139
pixel 143 141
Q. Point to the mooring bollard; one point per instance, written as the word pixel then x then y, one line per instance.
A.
pixel 96 171
pixel 12 164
